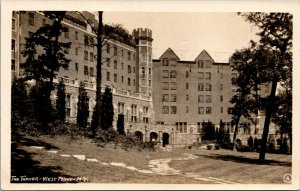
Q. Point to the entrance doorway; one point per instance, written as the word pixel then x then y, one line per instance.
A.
pixel 165 139
pixel 153 136
pixel 139 135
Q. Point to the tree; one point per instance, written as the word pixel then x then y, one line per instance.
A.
pixel 120 124
pixel 19 104
pixel 82 106
pixel 276 32
pixel 221 133
pixel 43 65
pixel 61 101
pixel 107 109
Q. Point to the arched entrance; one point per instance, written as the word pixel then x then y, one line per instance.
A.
pixel 153 136
pixel 139 135
pixel 165 139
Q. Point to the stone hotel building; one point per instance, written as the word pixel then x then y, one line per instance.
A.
pixel 164 99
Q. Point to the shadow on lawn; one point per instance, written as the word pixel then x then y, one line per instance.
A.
pixel 23 164
pixel 241 159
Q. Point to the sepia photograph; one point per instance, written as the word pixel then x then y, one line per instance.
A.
pixel 160 99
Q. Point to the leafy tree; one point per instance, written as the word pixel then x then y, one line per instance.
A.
pixel 42 66
pixel 208 130
pixel 19 104
pixel 41 106
pixel 221 133
pixel 82 106
pixel 275 45
pixel 61 101
pixel 120 124
pixel 107 109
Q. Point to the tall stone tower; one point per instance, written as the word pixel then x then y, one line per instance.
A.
pixel 143 40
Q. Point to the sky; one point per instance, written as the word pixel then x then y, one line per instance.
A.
pixel 220 34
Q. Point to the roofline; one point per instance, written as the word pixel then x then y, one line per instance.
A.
pixel 207 54
pixel 172 51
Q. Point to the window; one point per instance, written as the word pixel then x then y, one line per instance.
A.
pixel 68 105
pixel 122 52
pixel 133 82
pixel 208 110
pixel 187 86
pixel 149 83
pixel 76 67
pixel 143 72
pixel 173 86
pixel 172 62
pixel 200 98
pixel 221 98
pixel 13 65
pixel 200 75
pixel 129 81
pixel 267 88
pixel 76 35
pixel 221 110
pixel 186 74
pixel 172 74
pixel 221 86
pixel 207 64
pixel 76 51
pixel 91 71
pixel 208 98
pixel 207 75
pixel 31 19
pixel 86 55
pixel 122 65
pixel 165 109
pixel 13 44
pixel 145 109
pixel 144 59
pixel 115 64
pixel 200 110
pixel 134 70
pixel 129 55
pixel 208 87
pixel 115 78
pixel 221 76
pixel 200 87
pixel 165 62
pixel 129 69
pixel 187 109
pixel 165 74
pixel 107 62
pixel 165 85
pixel 115 51
pixel 173 110
pixel 108 48
pixel 86 70
pixel 133 113
pixel 13 24
pixel 66 33
pixel 121 107
pixel 165 97
pixel 173 97
pixel 150 58
pixel 91 57
pixel 187 97
pixel 108 76
pixel 122 79
pixel 200 64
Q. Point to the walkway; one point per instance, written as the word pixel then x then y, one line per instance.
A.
pixel 156 166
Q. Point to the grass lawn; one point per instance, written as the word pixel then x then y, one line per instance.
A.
pixel 227 165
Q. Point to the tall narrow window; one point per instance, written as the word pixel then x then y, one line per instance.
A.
pixel 76 67
pixel 13 65
pixel 115 51
pixel 115 78
pixel 91 71
pixel 208 110
pixel 86 55
pixel 108 76
pixel 13 24
pixel 91 57
pixel 66 33
pixel 107 62
pixel 76 51
pixel 13 44
pixel 86 70
pixel 200 64
pixel 108 48
pixel 200 87
pixel 76 35
pixel 115 64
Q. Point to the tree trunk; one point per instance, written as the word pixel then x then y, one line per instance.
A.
pixel 236 131
pixel 269 111
pixel 97 113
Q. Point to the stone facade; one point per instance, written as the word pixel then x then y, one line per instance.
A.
pixel 165 100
